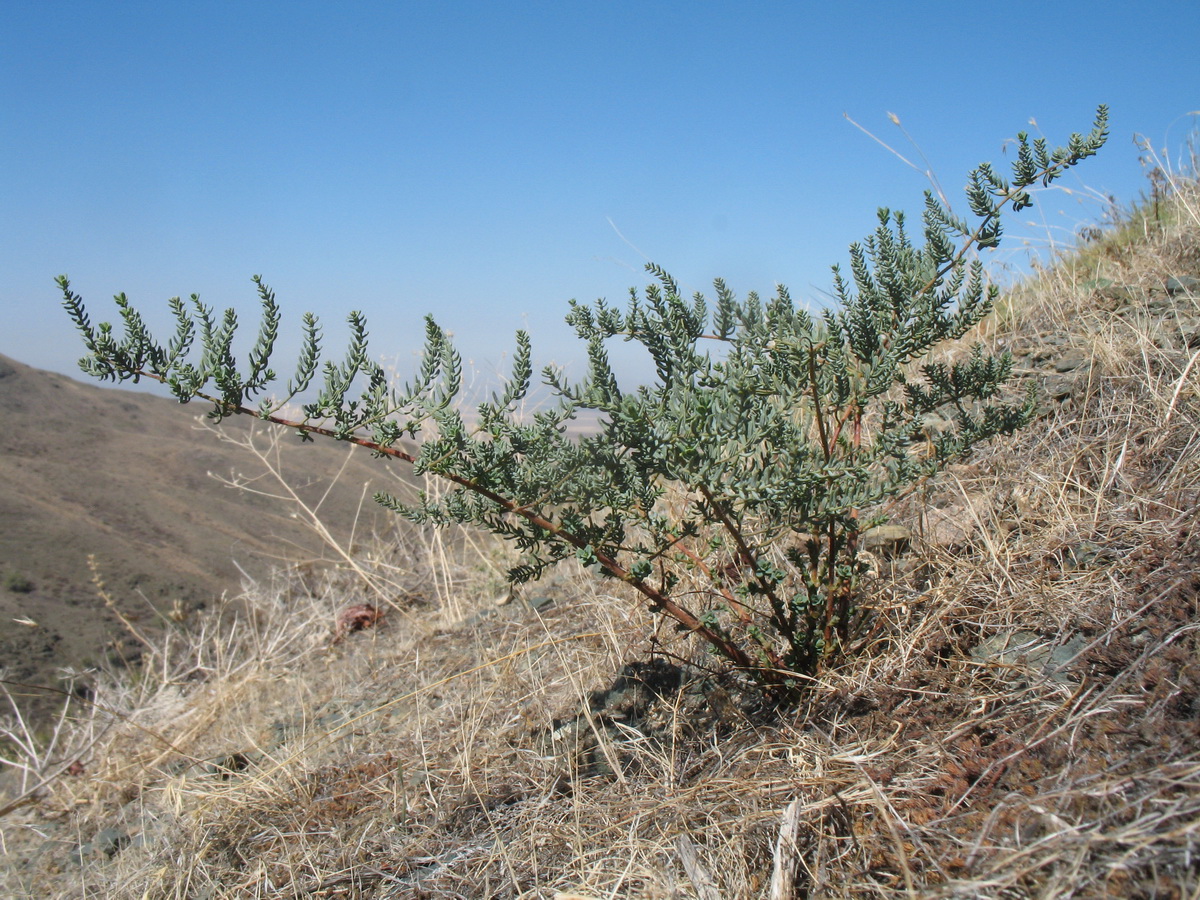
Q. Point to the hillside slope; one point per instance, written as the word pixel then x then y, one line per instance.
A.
pixel 124 477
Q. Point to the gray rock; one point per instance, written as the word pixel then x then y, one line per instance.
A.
pixel 1058 388
pixel 888 541
pixel 1072 360
pixel 1189 331
pixel 108 842
pixel 1183 284
pixel 1028 650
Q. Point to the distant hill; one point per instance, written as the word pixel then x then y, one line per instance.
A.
pixel 124 476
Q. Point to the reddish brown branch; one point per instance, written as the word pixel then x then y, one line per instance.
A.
pixel 658 600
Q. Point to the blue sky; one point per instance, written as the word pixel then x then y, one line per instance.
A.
pixel 488 161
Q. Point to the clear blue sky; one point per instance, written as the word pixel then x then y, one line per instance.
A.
pixel 487 161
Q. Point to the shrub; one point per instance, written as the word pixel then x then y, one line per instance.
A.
pixel 18 583
pixel 732 490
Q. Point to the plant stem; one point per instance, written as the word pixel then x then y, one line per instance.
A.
pixel 658 599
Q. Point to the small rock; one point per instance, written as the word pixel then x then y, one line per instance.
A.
pixel 1183 284
pixel 1086 555
pixel 1189 330
pixel 1116 297
pixel 356 617
pixel 957 525
pixel 888 541
pixel 1072 360
pixel 1028 649
pixel 107 842
pixel 1060 388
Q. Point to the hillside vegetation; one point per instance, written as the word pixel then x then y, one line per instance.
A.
pixel 1025 724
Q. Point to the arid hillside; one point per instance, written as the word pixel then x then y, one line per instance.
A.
pixel 128 479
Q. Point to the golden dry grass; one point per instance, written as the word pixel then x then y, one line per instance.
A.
pixel 1025 724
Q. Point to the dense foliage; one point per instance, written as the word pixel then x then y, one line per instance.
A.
pixel 732 490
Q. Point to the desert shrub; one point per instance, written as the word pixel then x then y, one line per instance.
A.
pixel 17 583
pixel 731 491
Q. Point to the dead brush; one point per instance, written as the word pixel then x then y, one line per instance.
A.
pixel 198 683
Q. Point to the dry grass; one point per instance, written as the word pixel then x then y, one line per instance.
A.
pixel 1026 723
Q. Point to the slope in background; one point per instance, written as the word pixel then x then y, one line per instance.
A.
pixel 125 477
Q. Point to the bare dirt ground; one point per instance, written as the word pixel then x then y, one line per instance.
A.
pixel 127 479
